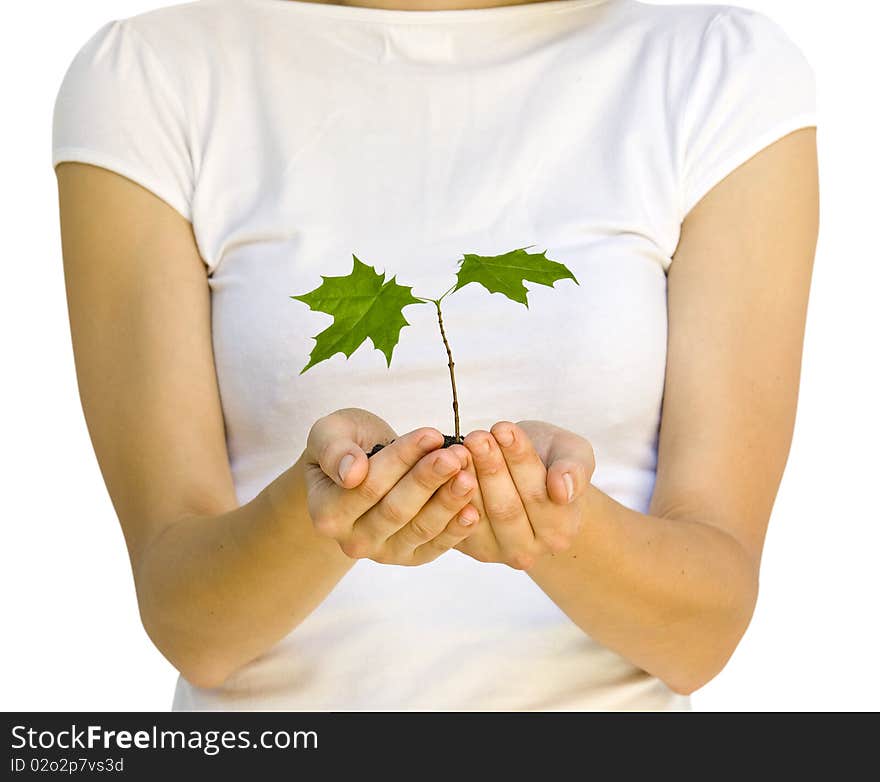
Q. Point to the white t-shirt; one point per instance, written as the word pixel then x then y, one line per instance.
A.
pixel 294 135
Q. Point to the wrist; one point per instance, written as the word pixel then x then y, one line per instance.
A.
pixel 283 503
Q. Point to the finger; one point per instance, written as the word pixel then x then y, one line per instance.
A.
pixel 481 543
pixel 553 525
pixel 503 507
pixel 331 440
pixel 432 519
pixel 387 467
pixel 465 525
pixel 525 467
pixel 404 501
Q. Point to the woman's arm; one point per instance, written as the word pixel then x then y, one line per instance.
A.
pixel 216 583
pixel 674 590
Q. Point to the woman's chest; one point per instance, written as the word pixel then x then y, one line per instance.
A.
pixel 357 145
pixel 408 175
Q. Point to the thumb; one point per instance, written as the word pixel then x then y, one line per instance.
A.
pixel 572 463
pixel 565 481
pixel 334 443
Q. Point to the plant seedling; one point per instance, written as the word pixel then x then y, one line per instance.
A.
pixel 365 305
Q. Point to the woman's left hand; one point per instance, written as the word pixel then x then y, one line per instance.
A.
pixel 531 477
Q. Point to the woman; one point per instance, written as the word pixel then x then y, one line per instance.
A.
pixel 216 158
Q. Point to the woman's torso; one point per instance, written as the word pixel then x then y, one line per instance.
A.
pixel 319 132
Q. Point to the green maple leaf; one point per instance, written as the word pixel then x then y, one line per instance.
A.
pixel 506 273
pixel 364 306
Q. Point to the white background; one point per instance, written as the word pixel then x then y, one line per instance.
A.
pixel 72 637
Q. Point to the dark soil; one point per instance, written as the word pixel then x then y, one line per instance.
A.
pixel 448 440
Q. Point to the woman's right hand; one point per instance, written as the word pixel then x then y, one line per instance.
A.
pixel 405 505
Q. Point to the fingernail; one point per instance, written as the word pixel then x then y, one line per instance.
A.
pixel 468 516
pixel 461 486
pixel 569 485
pixel 345 465
pixel 428 442
pixel 505 437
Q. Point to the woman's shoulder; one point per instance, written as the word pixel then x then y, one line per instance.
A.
pixel 181 34
pixel 193 16
pixel 200 29
pixel 175 48
pixel 728 45
pixel 701 30
pixel 693 23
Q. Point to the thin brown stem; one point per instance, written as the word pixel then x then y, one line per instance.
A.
pixel 451 370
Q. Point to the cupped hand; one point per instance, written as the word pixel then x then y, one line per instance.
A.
pixel 405 505
pixel 531 477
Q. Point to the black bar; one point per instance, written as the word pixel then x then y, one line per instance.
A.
pixel 144 745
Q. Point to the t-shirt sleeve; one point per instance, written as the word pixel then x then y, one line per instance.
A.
pixel 117 108
pixel 749 86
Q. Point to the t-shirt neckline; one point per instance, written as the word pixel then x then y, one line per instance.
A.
pixel 493 13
